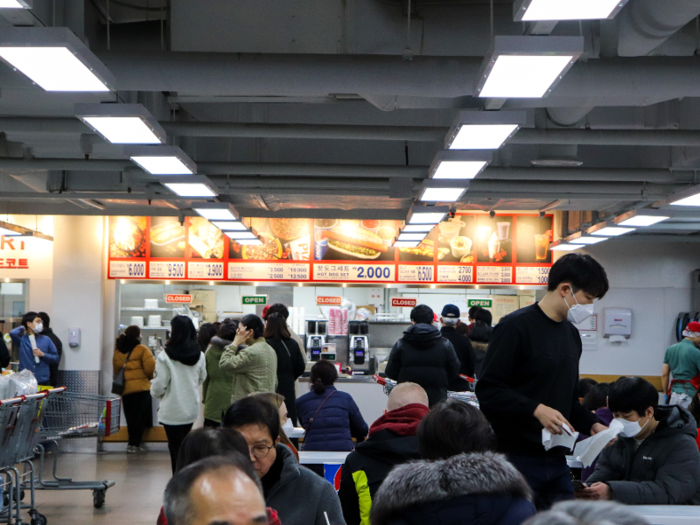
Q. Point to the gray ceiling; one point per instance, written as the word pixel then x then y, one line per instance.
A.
pixel 307 108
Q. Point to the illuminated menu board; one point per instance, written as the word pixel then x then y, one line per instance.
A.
pixel 466 249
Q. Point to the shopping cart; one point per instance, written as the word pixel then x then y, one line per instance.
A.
pixel 467 397
pixel 69 415
pixel 9 488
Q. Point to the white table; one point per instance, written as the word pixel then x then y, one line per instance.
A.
pixel 322 458
pixel 668 514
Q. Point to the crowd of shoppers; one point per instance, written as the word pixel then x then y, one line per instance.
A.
pixel 429 458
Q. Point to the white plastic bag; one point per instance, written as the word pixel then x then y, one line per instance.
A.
pixel 7 388
pixel 24 383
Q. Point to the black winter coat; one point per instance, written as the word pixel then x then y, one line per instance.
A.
pixel 465 354
pixel 4 354
pixel 469 488
pixel 290 365
pixel 53 367
pixel 423 356
pixel 664 470
pixel 366 468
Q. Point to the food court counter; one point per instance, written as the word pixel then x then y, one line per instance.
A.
pixel 368 395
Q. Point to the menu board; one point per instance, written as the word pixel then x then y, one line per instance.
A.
pixel 467 249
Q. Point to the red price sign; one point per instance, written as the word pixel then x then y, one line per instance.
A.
pixel 321 300
pixel 403 303
pixel 178 298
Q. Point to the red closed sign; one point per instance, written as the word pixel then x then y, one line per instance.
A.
pixel 403 302
pixel 178 298
pixel 321 300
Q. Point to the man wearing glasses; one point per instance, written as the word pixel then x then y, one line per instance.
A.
pixel 300 496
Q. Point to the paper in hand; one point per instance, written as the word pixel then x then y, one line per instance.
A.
pixel 566 439
pixel 32 340
pixel 588 450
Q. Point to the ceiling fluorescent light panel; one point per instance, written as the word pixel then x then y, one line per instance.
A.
pixel 442 194
pixel 418 228
pixel 229 226
pixel 411 236
pixel 566 247
pixel 541 10
pixel 612 231
pixel 406 244
pixel 588 240
pixel 641 221
pixel 122 123
pixel 482 136
pixel 455 169
pixel 693 200
pixel 191 189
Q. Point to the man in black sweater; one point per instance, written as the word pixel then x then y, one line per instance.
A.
pixel 530 376
pixel 449 318
pixel 48 331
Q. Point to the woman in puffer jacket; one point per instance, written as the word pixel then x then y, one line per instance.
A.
pixel 459 480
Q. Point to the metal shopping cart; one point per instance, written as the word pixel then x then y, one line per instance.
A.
pixel 467 397
pixel 69 415
pixel 9 488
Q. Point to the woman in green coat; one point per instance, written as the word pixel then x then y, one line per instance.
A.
pixel 218 385
pixel 255 366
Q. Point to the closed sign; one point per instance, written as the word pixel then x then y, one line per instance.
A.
pixel 321 300
pixel 403 303
pixel 178 298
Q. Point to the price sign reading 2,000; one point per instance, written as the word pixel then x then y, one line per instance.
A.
pixel 373 272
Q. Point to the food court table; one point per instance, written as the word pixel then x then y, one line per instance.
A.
pixel 668 514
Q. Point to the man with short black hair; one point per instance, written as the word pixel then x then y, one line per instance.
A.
pixel 424 356
pixel 450 319
pixel 48 332
pixel 218 489
pixel 530 376
pixel 36 351
pixel 655 460
pixel 300 496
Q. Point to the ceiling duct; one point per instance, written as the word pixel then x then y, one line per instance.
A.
pixel 646 24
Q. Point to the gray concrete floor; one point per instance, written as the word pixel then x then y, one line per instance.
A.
pixel 135 499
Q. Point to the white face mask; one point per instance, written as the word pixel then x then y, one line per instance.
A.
pixel 578 313
pixel 630 429
pixel 38 328
pixel 288 426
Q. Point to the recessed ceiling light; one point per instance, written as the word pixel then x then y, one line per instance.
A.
pixel 474 130
pixel 406 244
pixel 240 236
pixel 249 242
pixel 410 237
pixel 640 221
pixel 216 211
pixel 15 4
pixel 527 66
pixel 612 231
pixel 230 226
pixel 535 10
pixel 162 160
pixel 427 214
pixel 584 239
pixel 566 247
pixel 693 200
pixel 459 164
pixel 418 228
pixel 54 59
pixel 122 123
pixel 187 189
pixel 442 194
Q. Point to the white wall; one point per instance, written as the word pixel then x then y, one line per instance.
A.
pixel 654 281
pixel 79 272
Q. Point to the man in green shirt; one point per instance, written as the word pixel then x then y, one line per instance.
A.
pixel 682 361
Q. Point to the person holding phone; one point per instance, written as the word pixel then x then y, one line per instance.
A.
pixel 36 351
pixel 255 366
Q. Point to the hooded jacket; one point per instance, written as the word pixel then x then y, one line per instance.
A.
pixel 218 385
pixel 469 488
pixel 301 496
pixel 176 384
pixel 392 441
pixel 664 470
pixel 423 356
pixel 254 368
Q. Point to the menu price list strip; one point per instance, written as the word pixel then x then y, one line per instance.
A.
pixel 355 272
pixel 127 269
pixel 455 274
pixel 166 270
pixel 531 275
pixel 268 272
pixel 416 273
pixel 205 270
pixel 494 274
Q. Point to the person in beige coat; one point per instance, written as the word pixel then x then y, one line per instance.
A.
pixel 255 366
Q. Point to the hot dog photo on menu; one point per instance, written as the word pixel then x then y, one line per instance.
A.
pixel 355 240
